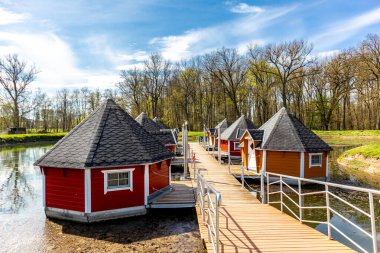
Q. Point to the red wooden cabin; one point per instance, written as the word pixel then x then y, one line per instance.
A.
pixel 284 145
pixel 106 167
pixel 212 133
pixel 229 144
pixel 159 130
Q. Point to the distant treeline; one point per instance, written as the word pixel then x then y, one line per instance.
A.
pixel 339 91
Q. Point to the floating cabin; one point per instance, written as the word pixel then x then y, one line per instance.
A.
pixel 284 145
pixel 106 167
pixel 212 133
pixel 229 141
pixel 160 131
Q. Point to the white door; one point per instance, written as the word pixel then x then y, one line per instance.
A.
pixel 251 157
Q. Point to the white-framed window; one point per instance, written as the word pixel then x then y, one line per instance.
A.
pixel 236 146
pixel 315 160
pixel 117 180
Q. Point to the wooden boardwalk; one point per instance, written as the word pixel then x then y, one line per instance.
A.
pixel 182 195
pixel 246 225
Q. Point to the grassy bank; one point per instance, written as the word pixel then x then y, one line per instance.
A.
pixel 349 133
pixel 27 138
pixel 192 136
pixel 367 151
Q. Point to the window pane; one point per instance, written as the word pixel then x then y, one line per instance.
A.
pixel 123 175
pixel 113 176
pixel 113 183
pixel 124 182
pixel 316 159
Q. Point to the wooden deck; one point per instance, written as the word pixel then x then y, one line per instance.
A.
pixel 181 196
pixel 246 225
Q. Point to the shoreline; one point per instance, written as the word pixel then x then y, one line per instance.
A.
pixel 366 170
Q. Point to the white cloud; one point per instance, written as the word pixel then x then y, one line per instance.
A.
pixel 343 30
pixel 245 8
pixel 7 17
pixel 199 41
pixel 327 54
pixel 55 60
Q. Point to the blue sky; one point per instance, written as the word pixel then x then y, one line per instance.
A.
pixel 76 43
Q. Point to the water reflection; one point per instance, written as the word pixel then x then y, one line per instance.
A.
pixel 19 181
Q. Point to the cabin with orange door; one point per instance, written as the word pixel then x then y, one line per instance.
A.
pixel 229 144
pixel 284 145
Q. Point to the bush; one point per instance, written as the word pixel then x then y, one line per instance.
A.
pixel 23 138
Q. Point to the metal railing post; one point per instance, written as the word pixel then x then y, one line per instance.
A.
pixel 262 188
pixel 281 199
pixel 328 212
pixel 242 176
pixel 217 223
pixel 373 222
pixel 267 188
pixel 300 200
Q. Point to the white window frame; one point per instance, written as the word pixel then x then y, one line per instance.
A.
pixel 130 178
pixel 237 147
pixel 310 160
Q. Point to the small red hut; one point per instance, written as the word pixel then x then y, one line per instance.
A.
pixel 284 145
pixel 106 167
pixel 212 133
pixel 159 131
pixel 229 144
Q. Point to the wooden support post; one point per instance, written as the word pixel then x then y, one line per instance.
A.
pixel 219 151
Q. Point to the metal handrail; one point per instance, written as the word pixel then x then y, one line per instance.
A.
pixel 210 207
pixel 329 210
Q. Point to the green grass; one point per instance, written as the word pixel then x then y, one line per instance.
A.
pixel 368 151
pixel 24 138
pixel 350 133
pixel 192 136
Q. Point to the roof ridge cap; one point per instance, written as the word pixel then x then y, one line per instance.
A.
pixel 294 129
pixel 273 128
pixel 68 135
pixel 97 134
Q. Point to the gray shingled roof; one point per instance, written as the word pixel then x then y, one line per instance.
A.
pixel 236 129
pixel 166 137
pixel 160 124
pixel 256 134
pixel 149 125
pixel 285 132
pixel 107 137
pixel 223 126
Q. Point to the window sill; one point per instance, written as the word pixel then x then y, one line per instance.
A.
pixel 119 189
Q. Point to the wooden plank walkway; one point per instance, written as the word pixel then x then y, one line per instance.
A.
pixel 182 195
pixel 246 225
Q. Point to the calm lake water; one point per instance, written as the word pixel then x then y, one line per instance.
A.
pixel 24 227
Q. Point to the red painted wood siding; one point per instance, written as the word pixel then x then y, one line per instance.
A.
pixel 158 176
pixel 224 147
pixel 172 148
pixel 116 199
pixel 64 188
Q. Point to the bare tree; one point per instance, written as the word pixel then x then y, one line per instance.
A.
pixel 287 60
pixel 157 73
pixel 15 78
pixel 131 87
pixel 230 69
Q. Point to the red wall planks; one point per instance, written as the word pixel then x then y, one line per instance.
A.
pixel 116 199
pixel 64 188
pixel 158 176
